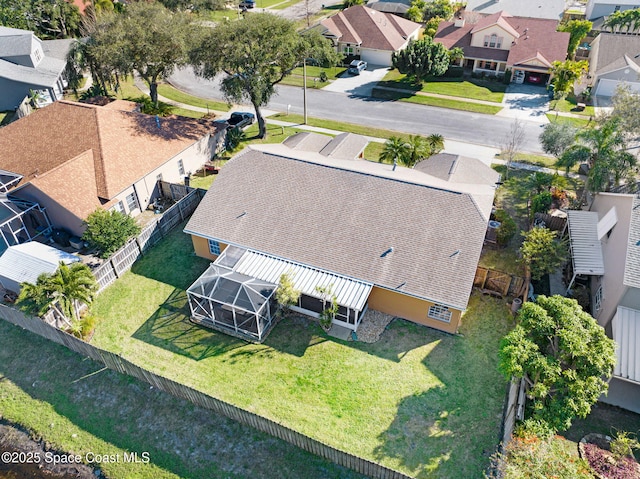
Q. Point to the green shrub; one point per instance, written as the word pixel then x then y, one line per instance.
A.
pixel 623 445
pixel 507 228
pixel 454 71
pixel 147 106
pixel 541 203
pixel 108 231
pixel 234 137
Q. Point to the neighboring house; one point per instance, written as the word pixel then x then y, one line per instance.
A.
pixel 392 239
pixel 369 34
pixel 614 59
pixel 602 8
pixel 605 247
pixel 397 7
pixel 549 9
pixel 25 262
pixel 500 42
pixel 28 64
pixel 72 158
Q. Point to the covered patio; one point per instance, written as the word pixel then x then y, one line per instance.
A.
pixel 233 303
pixel 586 250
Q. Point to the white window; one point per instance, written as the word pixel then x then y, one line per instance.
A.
pixel 118 207
pixel 493 40
pixel 180 168
pixel 214 247
pixel 597 300
pixel 440 312
pixel 132 201
pixel 486 40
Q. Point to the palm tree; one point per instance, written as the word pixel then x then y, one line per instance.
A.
pixel 436 143
pixel 417 149
pixel 394 151
pixel 64 292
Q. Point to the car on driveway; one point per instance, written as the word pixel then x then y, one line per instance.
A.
pixel 356 66
pixel 535 78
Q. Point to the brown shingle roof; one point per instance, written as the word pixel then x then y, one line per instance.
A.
pixel 541 40
pixel 342 221
pixel 125 145
pixel 370 28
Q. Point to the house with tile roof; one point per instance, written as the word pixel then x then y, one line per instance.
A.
pixel 614 59
pixel 85 157
pixel 605 254
pixel 30 64
pixel 392 239
pixel 368 34
pixel 498 42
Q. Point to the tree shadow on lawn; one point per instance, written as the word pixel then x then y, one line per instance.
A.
pixel 124 412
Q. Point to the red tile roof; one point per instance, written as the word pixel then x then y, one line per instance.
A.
pixel 536 38
pixel 370 28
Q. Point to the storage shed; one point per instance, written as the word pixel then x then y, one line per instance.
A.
pixel 25 262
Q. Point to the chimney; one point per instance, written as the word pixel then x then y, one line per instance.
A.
pixel 459 22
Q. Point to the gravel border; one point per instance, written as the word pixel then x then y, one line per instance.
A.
pixel 373 325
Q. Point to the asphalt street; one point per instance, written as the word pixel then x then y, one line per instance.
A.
pixel 488 130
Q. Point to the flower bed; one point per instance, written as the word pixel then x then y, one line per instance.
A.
pixel 594 448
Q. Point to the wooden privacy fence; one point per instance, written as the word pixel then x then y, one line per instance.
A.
pixel 554 223
pixel 498 283
pixel 122 260
pixel 268 426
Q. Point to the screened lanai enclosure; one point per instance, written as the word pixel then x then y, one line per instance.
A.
pixel 233 303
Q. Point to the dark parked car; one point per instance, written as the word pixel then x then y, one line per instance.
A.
pixel 239 119
pixel 247 4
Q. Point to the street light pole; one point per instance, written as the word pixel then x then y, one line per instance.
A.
pixel 304 88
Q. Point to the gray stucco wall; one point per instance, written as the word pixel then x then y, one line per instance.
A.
pixel 12 94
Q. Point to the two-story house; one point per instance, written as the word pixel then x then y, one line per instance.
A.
pixel 28 66
pixel 602 8
pixel 499 42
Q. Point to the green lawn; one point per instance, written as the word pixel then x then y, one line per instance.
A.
pixel 72 404
pixel 285 4
pixel 474 89
pixel 570 105
pixel 435 101
pixel 174 94
pixel 313 73
pixel 577 122
pixel 419 400
pixel 4 116
pixel 187 113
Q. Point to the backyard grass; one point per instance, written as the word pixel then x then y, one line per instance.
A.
pixel 75 406
pixel 174 94
pixel 503 259
pixel 187 113
pixel 4 117
pixel 474 89
pixel 421 401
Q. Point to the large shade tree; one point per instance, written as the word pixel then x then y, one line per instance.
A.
pixel 564 75
pixel 556 137
pixel 577 29
pixel 47 18
pixel 421 59
pixel 564 357
pixel 255 55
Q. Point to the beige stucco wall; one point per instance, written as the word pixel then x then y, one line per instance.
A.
pixel 201 247
pixel 477 39
pixel 614 250
pixel 411 308
pixel 59 216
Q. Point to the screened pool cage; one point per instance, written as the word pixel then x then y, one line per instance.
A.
pixel 233 303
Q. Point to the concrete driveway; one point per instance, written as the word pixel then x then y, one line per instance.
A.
pixel 358 85
pixel 526 102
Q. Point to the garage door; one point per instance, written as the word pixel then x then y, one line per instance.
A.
pixel 608 87
pixel 376 57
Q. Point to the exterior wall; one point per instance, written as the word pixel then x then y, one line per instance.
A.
pixel 12 94
pixel 623 394
pixel 631 298
pixel 614 250
pixel 59 216
pixel 408 307
pixel 623 75
pixel 201 247
pixel 600 8
pixel 192 158
pixel 477 39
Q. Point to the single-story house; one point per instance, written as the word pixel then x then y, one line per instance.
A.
pixel 605 251
pixel 549 9
pixel 613 60
pixel 72 158
pixel 393 239
pixel 373 36
pixel 28 64
pixel 23 263
pixel 602 8
pixel 499 42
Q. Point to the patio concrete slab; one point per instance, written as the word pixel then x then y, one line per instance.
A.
pixel 340 332
pixel 358 85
